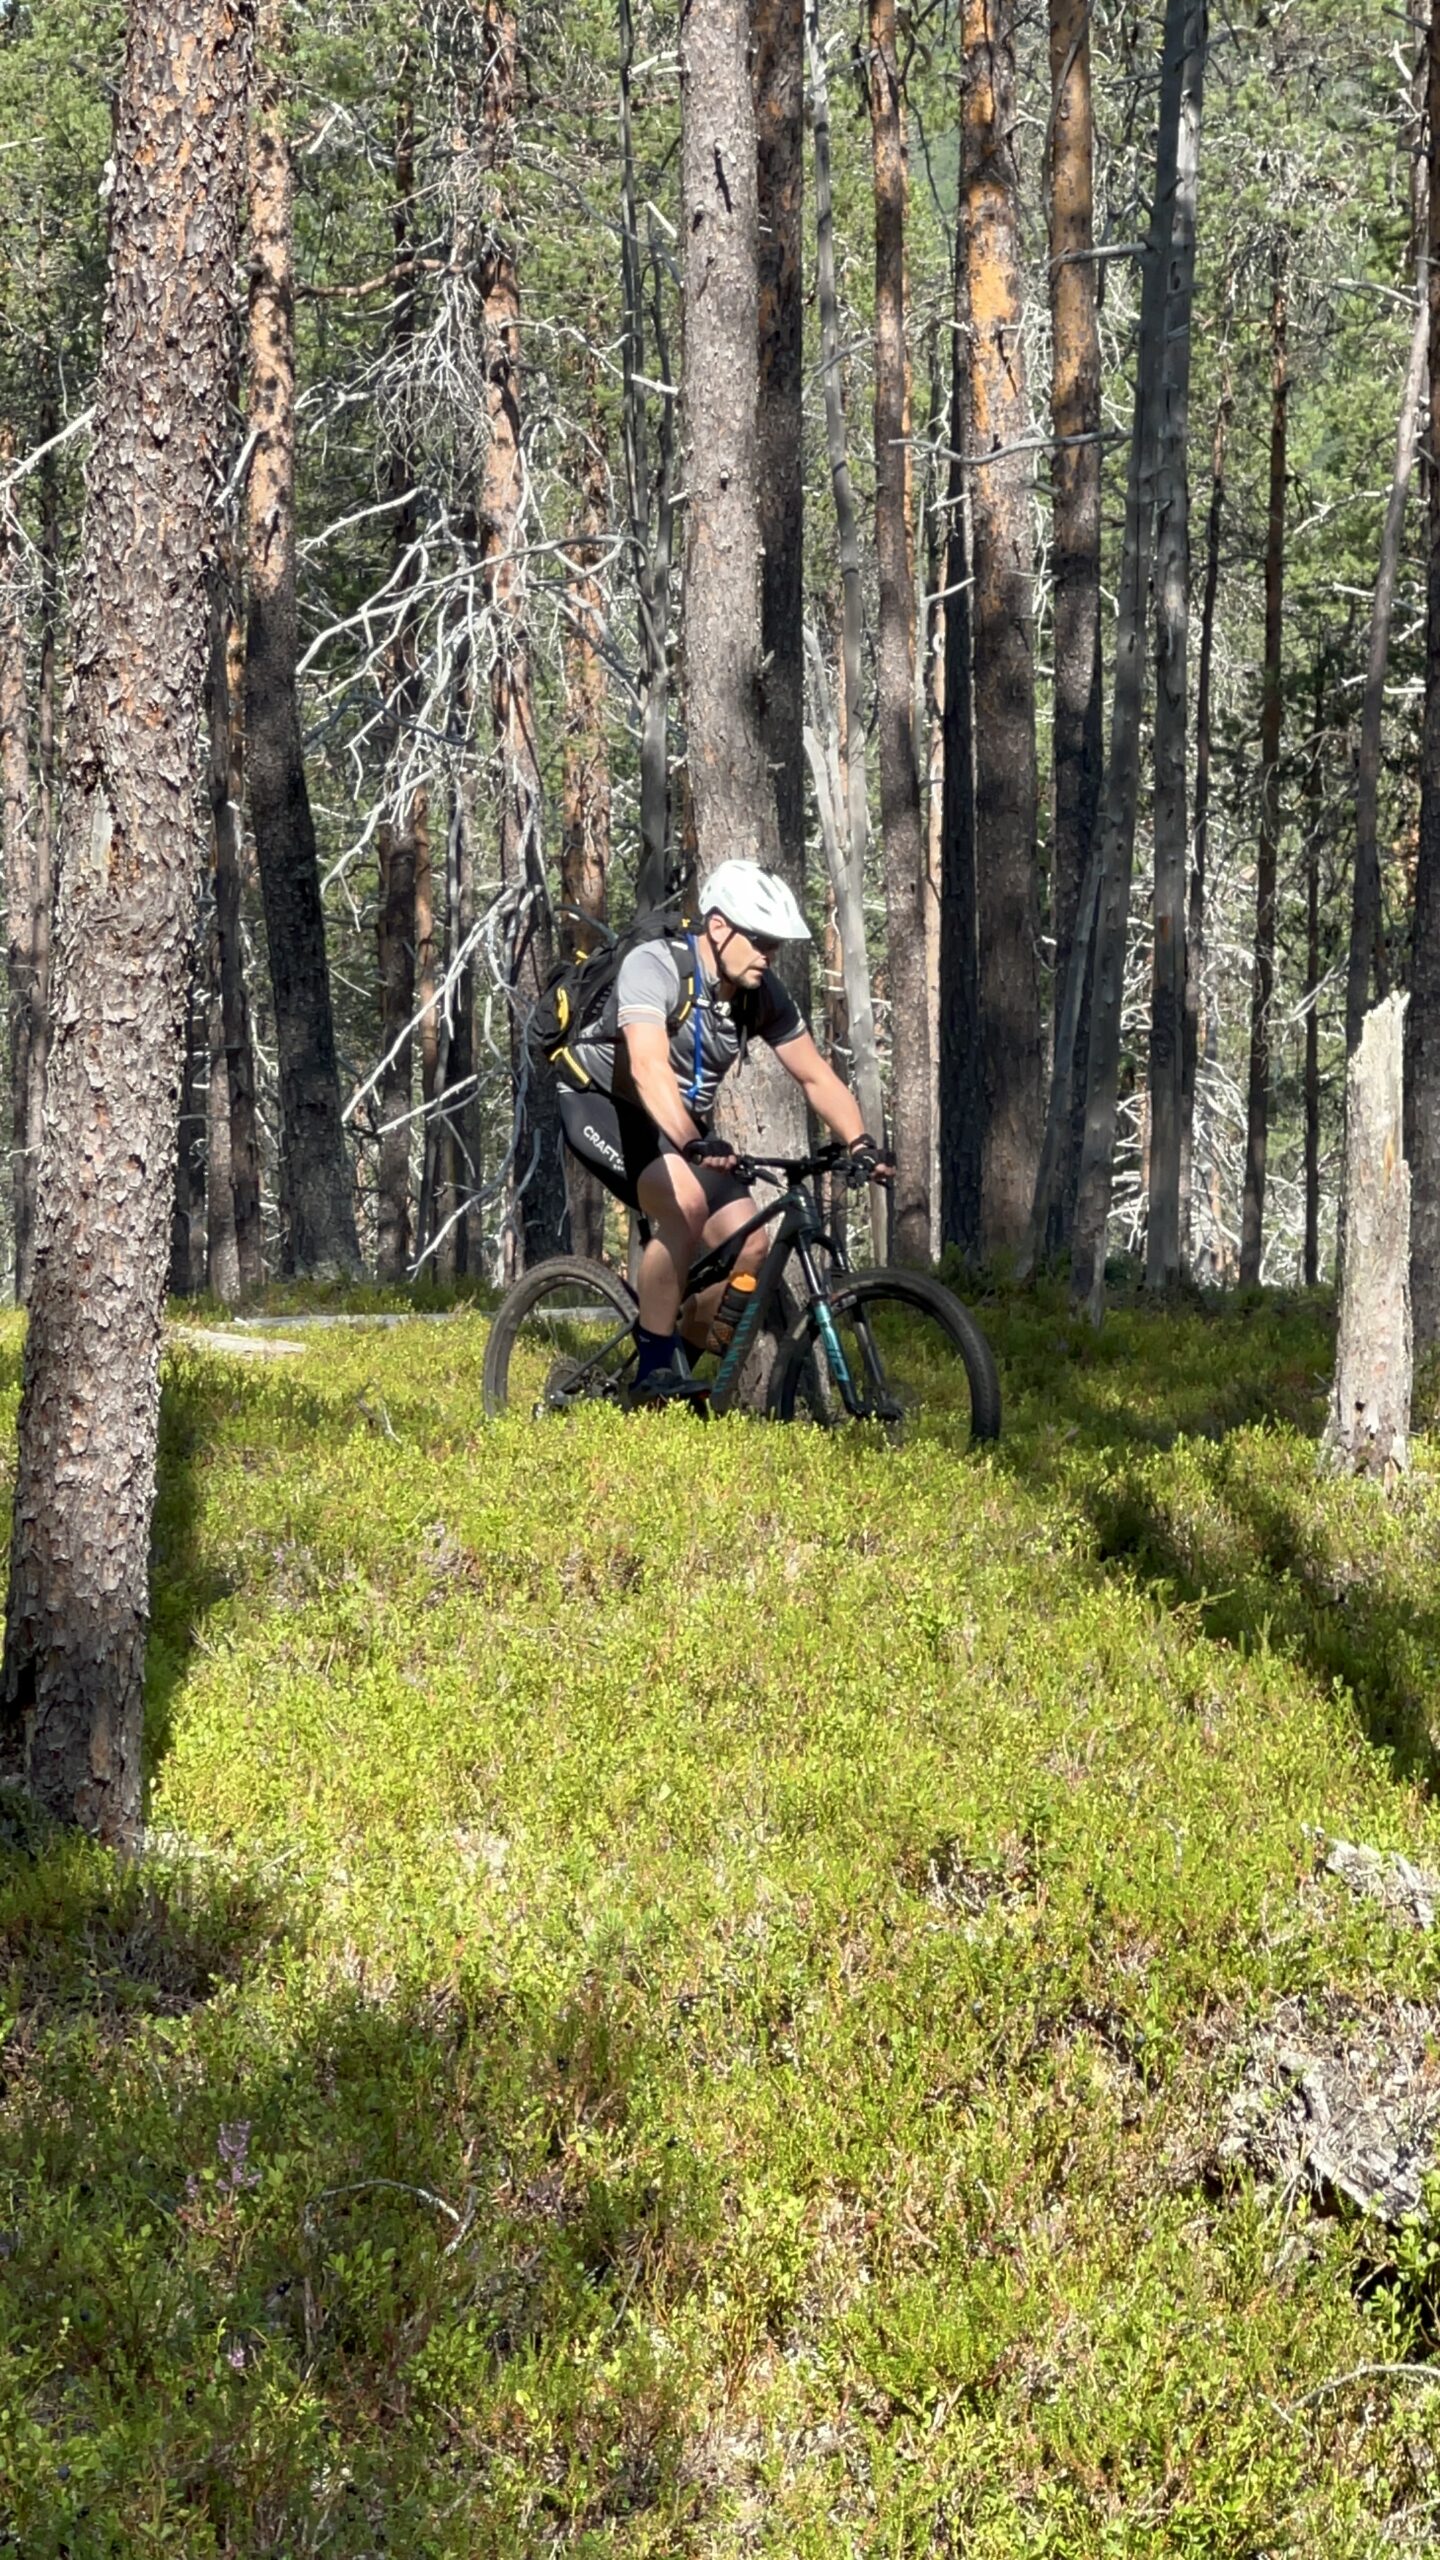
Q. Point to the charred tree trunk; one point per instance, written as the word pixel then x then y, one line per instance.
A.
pixel 78 1599
pixel 1078 741
pixel 1004 672
pixel 539 1148
pixel 1366 942
pixel 1172 687
pixel 1312 1057
pixel 317 1199
pixel 397 835
pixel 902 833
pixel 1122 774
pixel 1257 1117
pixel 1200 827
pixel 1422 1057
pixel 232 1188
pixel 187 1207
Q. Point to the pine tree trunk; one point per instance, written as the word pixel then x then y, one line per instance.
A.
pixel 1003 567
pixel 46 816
pixel 1078 741
pixel 732 796
pixel 959 1087
pixel 222 1235
pixel 1312 1057
pixel 30 872
pixel 1172 686
pixel 851 828
pixel 902 834
pixel 187 1206
pixel 1422 1055
pixel 17 843
pixel 78 1598
pixel 317 1198
pixel 1257 1116
pixel 528 943
pixel 1365 955
pixel 1200 827
pixel 1122 773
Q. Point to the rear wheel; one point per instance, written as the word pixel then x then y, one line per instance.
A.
pixel 564 1336
pixel 918 1367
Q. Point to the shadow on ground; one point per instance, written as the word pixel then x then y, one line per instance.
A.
pixel 1187 1439
pixel 365 2269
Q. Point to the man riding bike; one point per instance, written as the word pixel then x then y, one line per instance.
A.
pixel 655 1059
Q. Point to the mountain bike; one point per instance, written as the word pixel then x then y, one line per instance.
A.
pixel 891 1349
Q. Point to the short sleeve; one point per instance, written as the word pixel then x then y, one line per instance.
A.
pixel 648 987
pixel 781 1019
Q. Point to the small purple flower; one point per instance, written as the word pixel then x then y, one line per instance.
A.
pixel 235 2356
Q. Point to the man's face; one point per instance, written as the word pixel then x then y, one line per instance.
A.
pixel 743 957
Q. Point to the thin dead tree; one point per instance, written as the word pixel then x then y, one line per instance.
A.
pixel 71 1693
pixel 17 842
pixel 1366 959
pixel 650 498
pixel 1200 824
pixel 1422 1051
pixel 1262 985
pixel 1172 687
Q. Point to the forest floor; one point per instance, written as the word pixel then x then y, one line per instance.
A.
pixel 698 1992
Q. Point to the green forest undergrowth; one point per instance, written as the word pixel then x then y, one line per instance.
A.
pixel 684 1991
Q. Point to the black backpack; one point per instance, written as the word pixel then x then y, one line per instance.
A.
pixel 574 995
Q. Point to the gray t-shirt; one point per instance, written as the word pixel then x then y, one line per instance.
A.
pixel 651 988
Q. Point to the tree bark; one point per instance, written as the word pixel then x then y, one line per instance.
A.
pixel 317 1199
pixel 901 830
pixel 1004 672
pixel 134 779
pixel 540 1205
pixel 17 841
pixel 1367 1431
pixel 222 1237
pixel 1365 960
pixel 187 1204
pixel 778 78
pixel 651 509
pixel 1200 826
pixel 1257 1116
pixel 585 780
pixel 1422 1059
pixel 1078 741
pixel 1122 774
pixel 959 1084
pixel 397 835
pixel 1172 686
pixel 851 827
pixel 1311 1263
pixel 731 792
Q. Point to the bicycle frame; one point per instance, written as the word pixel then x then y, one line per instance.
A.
pixel 799 1233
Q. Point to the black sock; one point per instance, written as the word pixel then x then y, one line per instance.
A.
pixel 657 1351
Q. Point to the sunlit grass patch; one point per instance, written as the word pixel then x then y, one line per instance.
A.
pixel 691 1977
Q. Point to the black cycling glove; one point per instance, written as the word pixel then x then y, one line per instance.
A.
pixel 867 1159
pixel 708 1148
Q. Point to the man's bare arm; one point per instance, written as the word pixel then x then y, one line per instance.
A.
pixel 821 1087
pixel 647 1054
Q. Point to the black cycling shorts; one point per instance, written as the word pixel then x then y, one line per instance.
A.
pixel 618 1141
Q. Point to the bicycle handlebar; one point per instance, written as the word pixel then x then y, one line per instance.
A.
pixel 790 1170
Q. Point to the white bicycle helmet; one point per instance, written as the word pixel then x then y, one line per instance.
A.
pixel 755 900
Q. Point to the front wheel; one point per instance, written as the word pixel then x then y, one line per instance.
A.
pixel 563 1336
pixel 893 1349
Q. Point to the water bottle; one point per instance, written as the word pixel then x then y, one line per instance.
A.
pixel 740 1289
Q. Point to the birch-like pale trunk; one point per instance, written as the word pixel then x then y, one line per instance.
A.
pixel 1172 684
pixel 1200 828
pixel 1422 1055
pixel 1365 962
pixel 1367 1430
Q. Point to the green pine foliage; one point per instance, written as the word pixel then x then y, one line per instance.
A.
pixel 685 1984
